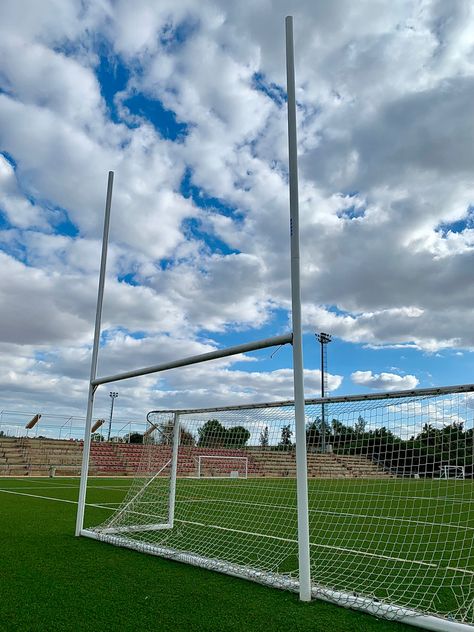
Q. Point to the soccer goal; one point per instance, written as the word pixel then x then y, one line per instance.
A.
pixel 394 545
pixel 456 472
pixel 222 466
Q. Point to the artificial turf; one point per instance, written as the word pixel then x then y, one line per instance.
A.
pixel 402 541
pixel 53 581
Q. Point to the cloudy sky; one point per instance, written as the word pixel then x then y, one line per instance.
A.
pixel 186 102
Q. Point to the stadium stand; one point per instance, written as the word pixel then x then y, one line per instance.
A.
pixel 45 457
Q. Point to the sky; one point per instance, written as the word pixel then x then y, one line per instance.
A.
pixel 186 103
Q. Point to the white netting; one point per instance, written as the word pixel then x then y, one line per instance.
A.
pixel 389 520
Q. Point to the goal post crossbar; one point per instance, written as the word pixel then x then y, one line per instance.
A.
pixel 274 341
pixel 382 395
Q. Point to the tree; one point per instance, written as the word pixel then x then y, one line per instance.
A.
pixel 236 437
pixel 212 434
pixel 338 428
pixel 134 437
pixel 359 426
pixel 264 437
pixel 96 436
pixel 186 437
pixel 286 434
pixel 314 431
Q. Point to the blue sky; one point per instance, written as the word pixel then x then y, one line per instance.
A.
pixel 187 105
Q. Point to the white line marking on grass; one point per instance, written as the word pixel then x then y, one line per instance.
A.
pixel 42 487
pixel 329 546
pixel 354 491
pixel 59 500
pixel 313 544
pixel 262 535
pixel 121 489
pixel 327 512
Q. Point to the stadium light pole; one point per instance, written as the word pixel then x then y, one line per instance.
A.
pixel 113 395
pixel 323 339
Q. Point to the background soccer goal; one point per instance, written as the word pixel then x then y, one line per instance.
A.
pixel 221 466
pixel 453 471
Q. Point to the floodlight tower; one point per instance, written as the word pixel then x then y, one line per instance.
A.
pixel 113 395
pixel 323 339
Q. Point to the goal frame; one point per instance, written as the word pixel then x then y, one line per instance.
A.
pixel 203 457
pixel 458 468
pixel 295 338
pixel 350 599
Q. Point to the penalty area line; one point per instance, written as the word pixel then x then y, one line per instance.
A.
pixel 59 500
pixel 262 535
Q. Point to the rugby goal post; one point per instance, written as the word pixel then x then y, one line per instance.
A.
pixel 295 338
pixel 361 548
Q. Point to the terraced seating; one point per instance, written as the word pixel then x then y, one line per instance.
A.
pixel 45 456
pixel 105 460
pixel 12 462
pixel 274 463
pixel 41 457
pixel 361 467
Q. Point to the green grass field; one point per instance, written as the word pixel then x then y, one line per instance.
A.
pixel 51 580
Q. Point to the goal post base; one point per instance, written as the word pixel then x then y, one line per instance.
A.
pixel 276 580
pixel 139 527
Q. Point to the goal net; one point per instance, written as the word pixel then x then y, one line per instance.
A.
pixel 387 533
pixel 222 466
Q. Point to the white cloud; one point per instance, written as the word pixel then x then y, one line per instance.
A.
pixel 386 148
pixel 384 381
pixel 19 210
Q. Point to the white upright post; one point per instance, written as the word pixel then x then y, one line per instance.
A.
pixel 95 351
pixel 301 467
pixel 174 471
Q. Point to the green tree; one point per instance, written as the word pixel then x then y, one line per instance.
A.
pixel 134 437
pixel 212 434
pixel 360 424
pixel 286 434
pixel 186 437
pixel 314 431
pixel 338 428
pixel 264 437
pixel 236 437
